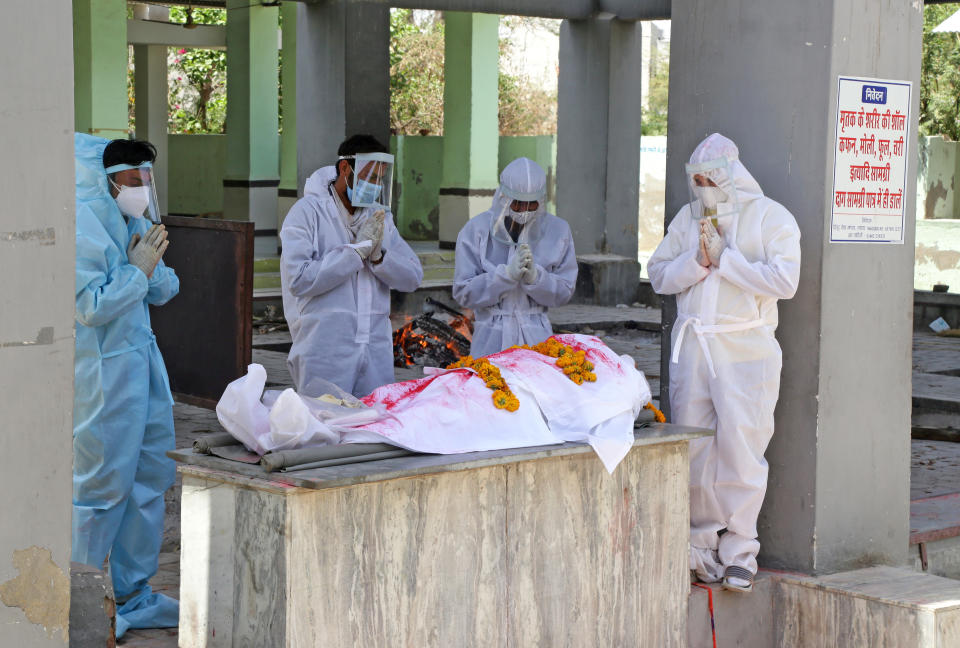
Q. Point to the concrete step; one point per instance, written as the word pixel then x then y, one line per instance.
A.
pixel 938 392
pixel 739 619
pixel 935 535
pixel 877 606
pixel 266 281
pixel 267 264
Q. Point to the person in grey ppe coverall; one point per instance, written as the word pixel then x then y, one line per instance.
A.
pixel 728 255
pixel 338 265
pixel 122 408
pixel 513 262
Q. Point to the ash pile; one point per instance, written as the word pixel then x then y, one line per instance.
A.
pixel 436 338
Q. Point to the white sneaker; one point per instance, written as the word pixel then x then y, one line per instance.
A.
pixel 737 579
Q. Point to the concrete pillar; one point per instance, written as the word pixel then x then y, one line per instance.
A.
pixel 253 154
pixel 598 134
pixel 839 485
pixel 100 67
pixel 343 78
pixel 37 235
pixel 471 131
pixel 288 99
pixel 150 92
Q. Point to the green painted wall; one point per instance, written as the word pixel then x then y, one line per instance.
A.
pixel 100 67
pixel 418 177
pixel 198 165
pixel 196 169
pixel 252 119
pixel 288 72
pixel 471 57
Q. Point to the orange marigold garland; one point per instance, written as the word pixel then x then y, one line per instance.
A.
pixel 503 398
pixel 573 363
pixel 657 414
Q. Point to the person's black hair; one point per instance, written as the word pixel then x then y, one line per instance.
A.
pixel 125 151
pixel 360 143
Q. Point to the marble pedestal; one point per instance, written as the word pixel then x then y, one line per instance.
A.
pixel 525 547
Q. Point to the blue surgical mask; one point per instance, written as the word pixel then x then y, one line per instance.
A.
pixel 366 193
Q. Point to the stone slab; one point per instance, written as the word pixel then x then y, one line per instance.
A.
pixel 936 392
pixel 934 518
pixel 213 468
pixel 550 550
pixel 937 557
pixel 606 280
pixel 92 607
pixel 743 620
pixel 881 607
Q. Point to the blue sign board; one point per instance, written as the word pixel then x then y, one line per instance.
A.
pixel 873 94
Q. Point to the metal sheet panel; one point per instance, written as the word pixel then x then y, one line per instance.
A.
pixel 206 332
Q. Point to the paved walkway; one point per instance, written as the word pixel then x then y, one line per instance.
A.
pixel 631 331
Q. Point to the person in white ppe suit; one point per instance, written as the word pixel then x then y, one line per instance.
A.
pixel 728 256
pixel 513 262
pixel 341 256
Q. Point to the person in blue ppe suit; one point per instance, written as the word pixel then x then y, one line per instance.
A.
pixel 123 409
pixel 342 255
pixel 514 262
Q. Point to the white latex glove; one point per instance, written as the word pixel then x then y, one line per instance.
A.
pixel 516 268
pixel 371 230
pixel 702 257
pixel 376 253
pixel 529 267
pixel 713 242
pixel 145 253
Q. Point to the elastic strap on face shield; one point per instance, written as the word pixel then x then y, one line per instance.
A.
pixel 533 196
pixel 126 167
pixel 709 165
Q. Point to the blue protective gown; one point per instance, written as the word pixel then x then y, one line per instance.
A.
pixel 122 410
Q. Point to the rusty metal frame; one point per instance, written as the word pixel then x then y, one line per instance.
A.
pixel 206 332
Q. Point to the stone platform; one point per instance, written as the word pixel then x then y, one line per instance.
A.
pixel 522 547
pixel 877 607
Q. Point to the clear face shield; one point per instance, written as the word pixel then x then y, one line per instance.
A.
pixel 371 180
pixel 519 217
pixel 136 194
pixel 712 193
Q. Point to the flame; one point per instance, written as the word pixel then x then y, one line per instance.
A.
pixel 408 344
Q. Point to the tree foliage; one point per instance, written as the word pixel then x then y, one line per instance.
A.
pixel 417 77
pixel 940 75
pixel 654 116
pixel 416 74
pixel 198 88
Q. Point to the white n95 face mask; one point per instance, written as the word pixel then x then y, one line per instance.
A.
pixel 133 201
pixel 710 196
pixel 522 217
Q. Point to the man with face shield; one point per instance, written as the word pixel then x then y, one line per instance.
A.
pixel 513 262
pixel 728 256
pixel 341 257
pixel 123 409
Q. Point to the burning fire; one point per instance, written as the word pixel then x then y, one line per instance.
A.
pixel 428 340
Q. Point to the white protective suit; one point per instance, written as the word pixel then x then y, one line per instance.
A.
pixel 510 312
pixel 337 304
pixel 725 366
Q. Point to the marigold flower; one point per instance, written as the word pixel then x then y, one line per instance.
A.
pixel 657 414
